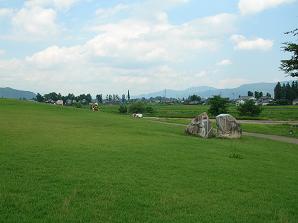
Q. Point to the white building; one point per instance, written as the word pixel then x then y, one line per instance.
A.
pixel 242 99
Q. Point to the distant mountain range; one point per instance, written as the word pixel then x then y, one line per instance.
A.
pixel 206 92
pixel 13 93
pixel 203 91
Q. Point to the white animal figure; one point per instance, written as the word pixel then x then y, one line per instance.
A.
pixel 135 115
pixel 59 102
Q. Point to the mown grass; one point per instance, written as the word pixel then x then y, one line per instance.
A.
pixel 72 165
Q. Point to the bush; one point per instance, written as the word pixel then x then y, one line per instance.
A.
pixel 149 110
pixel 123 109
pixel 137 107
pixel 77 105
pixel 249 108
pixel 218 105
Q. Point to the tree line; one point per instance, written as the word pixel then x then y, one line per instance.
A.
pixel 53 97
pixel 82 98
pixel 286 93
pixel 258 94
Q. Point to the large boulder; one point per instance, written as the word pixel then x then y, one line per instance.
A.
pixel 228 127
pixel 200 126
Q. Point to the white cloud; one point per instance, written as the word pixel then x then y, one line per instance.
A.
pixel 255 6
pixel 2 52
pixel 216 25
pixel 58 4
pixel 5 12
pixel 224 62
pixel 109 12
pixel 143 52
pixel 55 56
pixel 242 43
pixel 159 40
pixel 131 80
pixel 37 21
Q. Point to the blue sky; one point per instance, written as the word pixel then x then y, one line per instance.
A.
pixel 88 46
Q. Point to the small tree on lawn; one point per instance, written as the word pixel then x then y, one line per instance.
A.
pixel 218 105
pixel 137 107
pixel 249 108
pixel 123 109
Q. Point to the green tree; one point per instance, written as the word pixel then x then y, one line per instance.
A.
pixel 194 98
pixel 290 66
pixel 218 105
pixel 99 98
pixel 51 96
pixel 250 94
pixel 249 108
pixel 71 97
pixel 123 109
pixel 137 107
pixel 258 94
pixel 128 96
pixel 39 98
pixel 123 98
pixel 88 98
pixel 278 91
pixel 110 98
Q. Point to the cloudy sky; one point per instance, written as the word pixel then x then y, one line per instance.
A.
pixel 109 46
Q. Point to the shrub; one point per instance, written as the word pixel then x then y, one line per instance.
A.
pixel 123 109
pixel 149 110
pixel 137 107
pixel 249 108
pixel 218 105
pixel 77 105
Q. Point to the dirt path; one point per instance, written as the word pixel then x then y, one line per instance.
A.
pixel 267 122
pixel 257 135
pixel 272 137
pixel 261 122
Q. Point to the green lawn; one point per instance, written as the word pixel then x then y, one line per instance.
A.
pixel 73 165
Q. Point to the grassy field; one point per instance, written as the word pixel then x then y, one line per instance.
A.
pixel 189 111
pixel 72 165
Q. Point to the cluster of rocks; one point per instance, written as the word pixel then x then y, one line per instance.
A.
pixel 227 127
